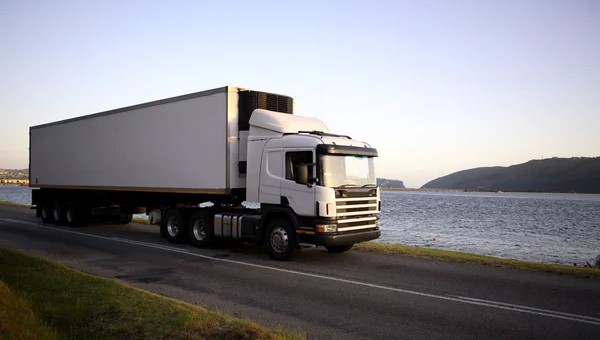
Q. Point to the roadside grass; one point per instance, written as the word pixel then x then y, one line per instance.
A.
pixel 17 319
pixel 53 301
pixel 403 250
pixel 140 220
pixel 13 204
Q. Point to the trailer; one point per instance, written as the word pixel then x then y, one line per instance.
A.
pixel 196 158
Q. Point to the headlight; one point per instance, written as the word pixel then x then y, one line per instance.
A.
pixel 326 228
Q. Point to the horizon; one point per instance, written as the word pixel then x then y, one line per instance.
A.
pixel 420 187
pixel 436 87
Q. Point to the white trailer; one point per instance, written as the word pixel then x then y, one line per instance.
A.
pixel 224 145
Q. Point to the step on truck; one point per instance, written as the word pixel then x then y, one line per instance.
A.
pixel 224 163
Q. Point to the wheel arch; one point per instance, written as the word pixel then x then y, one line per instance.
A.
pixel 270 213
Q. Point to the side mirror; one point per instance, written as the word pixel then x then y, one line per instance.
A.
pixel 301 174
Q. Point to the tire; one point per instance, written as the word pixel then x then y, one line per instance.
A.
pixel 173 226
pixel 59 213
pixel 339 249
pixel 200 229
pixel 75 215
pixel 280 240
pixel 47 212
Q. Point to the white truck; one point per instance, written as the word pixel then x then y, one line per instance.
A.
pixel 196 158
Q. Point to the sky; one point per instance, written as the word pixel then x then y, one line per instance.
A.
pixel 435 86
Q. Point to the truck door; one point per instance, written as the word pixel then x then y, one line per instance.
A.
pixel 300 197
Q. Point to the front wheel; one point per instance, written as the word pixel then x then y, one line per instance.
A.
pixel 173 226
pixel 338 249
pixel 280 240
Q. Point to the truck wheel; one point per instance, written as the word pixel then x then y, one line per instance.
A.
pixel 76 215
pixel 338 249
pixel 200 229
pixel 47 212
pixel 280 240
pixel 174 226
pixel 59 213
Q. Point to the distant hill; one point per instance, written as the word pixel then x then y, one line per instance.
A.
pixel 390 183
pixel 548 175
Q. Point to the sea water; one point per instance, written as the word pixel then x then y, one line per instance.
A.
pixel 552 228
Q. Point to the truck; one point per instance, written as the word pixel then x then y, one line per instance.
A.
pixel 226 163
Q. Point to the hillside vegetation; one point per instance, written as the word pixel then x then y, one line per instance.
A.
pixel 390 183
pixel 548 175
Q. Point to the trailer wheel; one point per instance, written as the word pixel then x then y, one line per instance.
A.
pixel 200 229
pixel 76 215
pixel 338 249
pixel 59 213
pixel 280 240
pixel 174 226
pixel 47 212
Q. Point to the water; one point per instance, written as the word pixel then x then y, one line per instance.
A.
pixel 551 228
pixel 15 194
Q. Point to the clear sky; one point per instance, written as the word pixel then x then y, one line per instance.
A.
pixel 435 86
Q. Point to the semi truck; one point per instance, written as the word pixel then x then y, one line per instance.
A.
pixel 228 163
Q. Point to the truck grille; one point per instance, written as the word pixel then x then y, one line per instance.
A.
pixel 356 213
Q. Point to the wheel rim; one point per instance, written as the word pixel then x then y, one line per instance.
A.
pixel 56 213
pixel 173 226
pixel 279 239
pixel 69 216
pixel 45 212
pixel 199 231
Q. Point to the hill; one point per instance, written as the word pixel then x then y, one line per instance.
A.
pixel 390 183
pixel 548 175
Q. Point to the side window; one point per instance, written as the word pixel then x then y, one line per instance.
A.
pixel 295 158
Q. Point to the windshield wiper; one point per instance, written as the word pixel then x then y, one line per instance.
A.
pixel 369 186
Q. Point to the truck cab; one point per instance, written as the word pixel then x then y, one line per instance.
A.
pixel 314 187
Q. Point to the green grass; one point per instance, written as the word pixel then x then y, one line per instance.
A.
pixel 53 301
pixel 398 249
pixel 17 319
pixel 13 204
pixel 140 220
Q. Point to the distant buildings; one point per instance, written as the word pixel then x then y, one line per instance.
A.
pixel 14 176
pixel 18 181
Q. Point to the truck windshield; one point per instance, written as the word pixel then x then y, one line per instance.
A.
pixel 347 170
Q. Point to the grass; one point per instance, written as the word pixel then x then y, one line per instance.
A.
pixel 13 204
pixel 51 301
pixel 140 220
pixel 17 319
pixel 398 249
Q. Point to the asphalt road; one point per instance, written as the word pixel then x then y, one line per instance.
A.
pixel 356 295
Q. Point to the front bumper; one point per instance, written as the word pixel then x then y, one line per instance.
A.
pixel 346 239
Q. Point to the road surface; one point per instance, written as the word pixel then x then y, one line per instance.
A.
pixel 356 295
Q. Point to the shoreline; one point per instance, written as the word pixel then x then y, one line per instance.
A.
pixel 448 255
